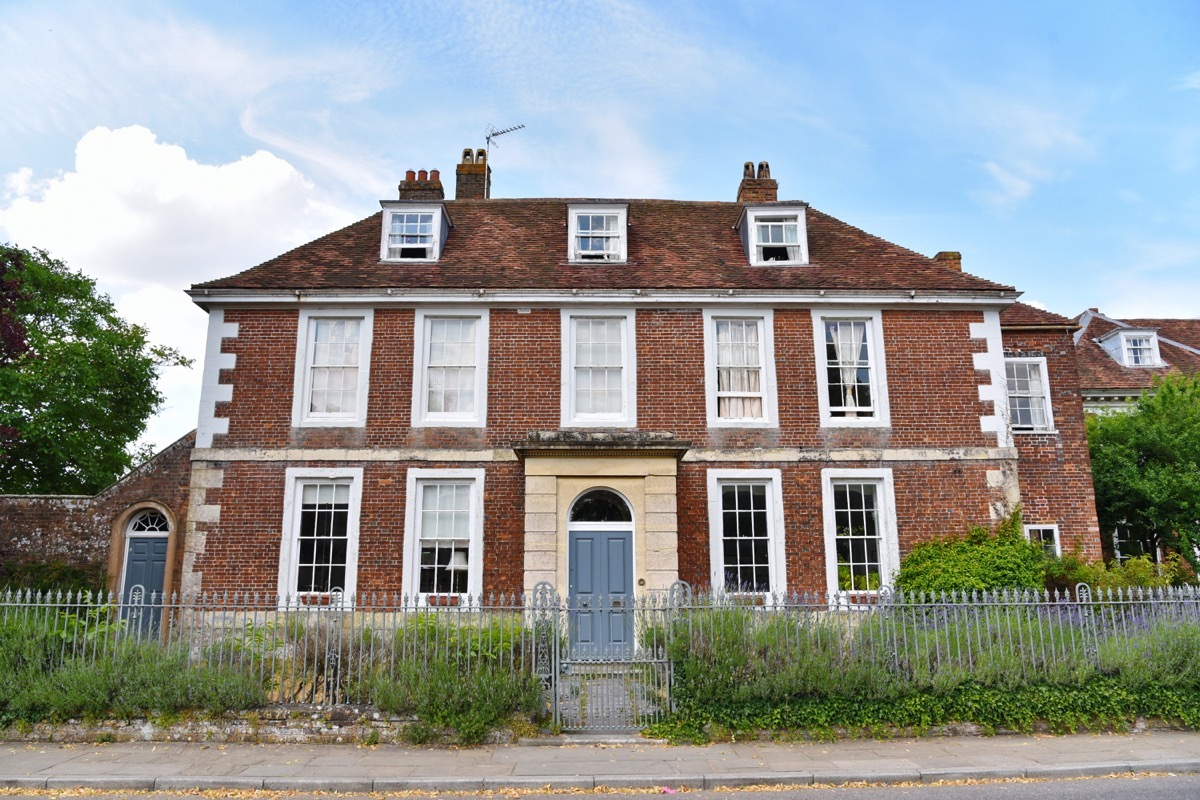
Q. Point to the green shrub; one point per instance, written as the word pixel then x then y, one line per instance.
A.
pixel 1065 573
pixel 979 562
pixel 52 576
pixel 444 695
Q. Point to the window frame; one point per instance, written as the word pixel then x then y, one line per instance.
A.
pixel 777 565
pixel 302 383
pixel 627 417
pixel 889 539
pixel 1048 408
pixel 574 211
pixel 421 415
pixel 1151 348
pixel 750 233
pixel 1055 540
pixel 416 479
pixel 877 361
pixel 766 344
pixel 289 551
pixel 438 230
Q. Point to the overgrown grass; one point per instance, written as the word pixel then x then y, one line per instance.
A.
pixel 1000 666
pixel 466 678
pixel 462 678
pixel 46 676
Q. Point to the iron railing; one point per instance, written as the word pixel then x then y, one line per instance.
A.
pixel 329 650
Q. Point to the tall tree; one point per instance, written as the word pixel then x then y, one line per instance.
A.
pixel 1146 466
pixel 77 389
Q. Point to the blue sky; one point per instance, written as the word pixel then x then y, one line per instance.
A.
pixel 157 144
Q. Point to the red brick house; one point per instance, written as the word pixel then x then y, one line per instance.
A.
pixel 1120 358
pixel 453 398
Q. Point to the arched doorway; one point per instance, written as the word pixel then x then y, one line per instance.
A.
pixel 147 536
pixel 600 575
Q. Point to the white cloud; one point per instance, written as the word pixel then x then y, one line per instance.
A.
pixel 137 212
pixel 147 221
pixel 1192 81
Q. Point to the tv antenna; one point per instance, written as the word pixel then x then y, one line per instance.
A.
pixel 492 133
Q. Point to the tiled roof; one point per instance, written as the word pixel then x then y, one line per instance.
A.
pixel 522 244
pixel 1098 370
pixel 1021 315
pixel 1184 331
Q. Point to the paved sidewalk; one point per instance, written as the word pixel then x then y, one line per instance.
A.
pixel 349 768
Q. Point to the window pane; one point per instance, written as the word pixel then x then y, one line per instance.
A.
pixel 597 236
pixel 858 538
pixel 1026 395
pixel 444 536
pixel 333 379
pixel 849 371
pixel 322 545
pixel 450 367
pixel 599 366
pixel 745 531
pixel 739 368
pixel 410 235
pixel 600 505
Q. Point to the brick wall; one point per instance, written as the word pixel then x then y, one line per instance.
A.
pixel 241 553
pixel 932 384
pixel 933 500
pixel 1055 469
pixel 79 530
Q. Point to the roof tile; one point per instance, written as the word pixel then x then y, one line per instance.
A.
pixel 522 244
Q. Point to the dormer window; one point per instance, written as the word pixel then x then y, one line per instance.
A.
pixel 410 236
pixel 412 233
pixel 1132 347
pixel 775 235
pixel 1139 351
pixel 597 233
pixel 777 239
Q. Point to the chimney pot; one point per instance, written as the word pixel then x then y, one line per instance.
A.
pixel 435 175
pixel 758 188
pixel 422 185
pixel 473 178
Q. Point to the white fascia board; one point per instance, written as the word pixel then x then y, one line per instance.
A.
pixel 566 297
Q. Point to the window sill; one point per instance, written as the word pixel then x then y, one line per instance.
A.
pixel 1034 432
pixel 742 423
pixel 333 422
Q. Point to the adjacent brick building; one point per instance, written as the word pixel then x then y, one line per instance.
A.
pixel 453 398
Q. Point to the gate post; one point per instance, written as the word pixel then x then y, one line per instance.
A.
pixel 545 602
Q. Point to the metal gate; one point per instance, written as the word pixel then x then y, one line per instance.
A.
pixel 623 686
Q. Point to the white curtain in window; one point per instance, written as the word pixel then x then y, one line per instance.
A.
pixel 848 339
pixel 739 370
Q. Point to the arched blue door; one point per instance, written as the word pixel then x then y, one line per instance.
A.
pixel 600 576
pixel 145 571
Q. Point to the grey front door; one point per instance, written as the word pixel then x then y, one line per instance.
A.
pixel 600 588
pixel 145 567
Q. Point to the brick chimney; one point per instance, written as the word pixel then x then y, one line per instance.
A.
pixel 757 188
pixel 422 185
pixel 951 259
pixel 474 176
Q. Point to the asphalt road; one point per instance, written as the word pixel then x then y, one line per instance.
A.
pixel 1156 787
